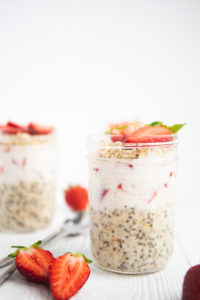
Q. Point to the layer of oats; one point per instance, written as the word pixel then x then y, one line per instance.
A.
pixel 132 240
pixel 26 206
pixel 23 139
pixel 118 150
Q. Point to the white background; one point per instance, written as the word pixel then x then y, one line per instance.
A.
pixel 79 65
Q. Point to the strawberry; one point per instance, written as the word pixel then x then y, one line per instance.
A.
pixel 10 129
pixel 191 284
pixel 67 274
pixel 34 128
pixel 129 130
pixel 14 125
pixel 33 262
pixel 150 134
pixel 116 135
pixel 76 197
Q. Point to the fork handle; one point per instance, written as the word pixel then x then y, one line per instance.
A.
pixel 5 261
pixel 6 274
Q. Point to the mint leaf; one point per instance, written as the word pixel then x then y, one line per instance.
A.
pixel 174 128
pixel 156 123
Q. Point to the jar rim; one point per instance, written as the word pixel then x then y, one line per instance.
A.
pixel 167 141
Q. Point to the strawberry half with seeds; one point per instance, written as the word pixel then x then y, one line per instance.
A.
pixel 150 134
pixel 76 197
pixel 33 262
pixel 67 274
pixel 191 284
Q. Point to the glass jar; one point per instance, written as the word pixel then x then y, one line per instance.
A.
pixel 27 181
pixel 131 197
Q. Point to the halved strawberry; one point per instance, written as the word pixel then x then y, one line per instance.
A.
pixel 33 262
pixel 150 134
pixel 34 128
pixel 67 275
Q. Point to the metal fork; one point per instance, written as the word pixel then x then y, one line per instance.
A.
pixel 70 227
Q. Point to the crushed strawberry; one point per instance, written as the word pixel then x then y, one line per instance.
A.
pixel 152 197
pixel 170 174
pixel 165 185
pixel 120 186
pixel 1 170
pixel 104 193
pixel 24 162
pixel 96 169
pixel 130 166
pixel 14 162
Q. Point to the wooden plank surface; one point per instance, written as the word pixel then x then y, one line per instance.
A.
pixel 163 285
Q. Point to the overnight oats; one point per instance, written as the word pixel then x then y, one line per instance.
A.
pixel 132 195
pixel 27 177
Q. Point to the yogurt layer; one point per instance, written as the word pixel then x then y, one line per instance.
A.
pixel 118 184
pixel 27 163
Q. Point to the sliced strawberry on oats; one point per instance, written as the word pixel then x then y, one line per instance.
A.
pixel 128 130
pixel 150 134
pixel 10 130
pixel 34 128
pixel 116 135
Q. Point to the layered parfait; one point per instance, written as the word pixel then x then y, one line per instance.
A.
pixel 132 195
pixel 27 176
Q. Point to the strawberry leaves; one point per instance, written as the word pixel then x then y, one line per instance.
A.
pixel 14 254
pixel 174 128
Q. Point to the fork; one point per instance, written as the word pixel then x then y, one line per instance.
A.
pixel 70 227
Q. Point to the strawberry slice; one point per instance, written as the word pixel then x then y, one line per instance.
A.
pixel 150 134
pixel 14 125
pixel 67 274
pixel 33 262
pixel 12 128
pixel 34 128
pixel 116 135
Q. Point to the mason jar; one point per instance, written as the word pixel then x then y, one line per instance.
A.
pixel 131 199
pixel 27 181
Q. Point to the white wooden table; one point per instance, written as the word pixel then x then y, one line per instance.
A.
pixel 164 285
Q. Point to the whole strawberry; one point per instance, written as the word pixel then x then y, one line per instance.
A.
pixel 191 284
pixel 33 262
pixel 67 274
pixel 76 197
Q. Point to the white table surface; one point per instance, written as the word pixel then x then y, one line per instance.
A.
pixel 163 285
